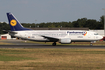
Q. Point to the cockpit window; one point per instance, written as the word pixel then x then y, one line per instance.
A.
pixel 95 33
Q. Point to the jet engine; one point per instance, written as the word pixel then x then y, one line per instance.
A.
pixel 65 41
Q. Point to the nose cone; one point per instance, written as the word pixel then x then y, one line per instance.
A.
pixel 100 37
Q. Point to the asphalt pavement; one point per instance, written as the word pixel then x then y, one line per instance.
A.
pixel 25 44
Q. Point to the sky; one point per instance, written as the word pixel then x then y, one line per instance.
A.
pixel 39 11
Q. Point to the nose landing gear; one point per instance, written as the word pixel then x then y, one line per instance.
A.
pixel 91 44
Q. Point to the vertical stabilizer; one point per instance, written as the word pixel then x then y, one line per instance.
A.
pixel 14 23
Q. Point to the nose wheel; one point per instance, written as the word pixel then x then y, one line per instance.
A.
pixel 91 44
pixel 54 44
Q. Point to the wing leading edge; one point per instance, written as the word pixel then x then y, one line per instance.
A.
pixel 52 39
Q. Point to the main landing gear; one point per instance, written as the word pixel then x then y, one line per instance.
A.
pixel 54 44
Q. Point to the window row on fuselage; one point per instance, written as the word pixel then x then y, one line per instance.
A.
pixel 51 34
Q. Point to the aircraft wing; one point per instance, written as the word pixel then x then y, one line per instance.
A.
pixel 51 38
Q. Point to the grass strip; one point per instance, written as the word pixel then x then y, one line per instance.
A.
pixel 12 58
pixel 52 59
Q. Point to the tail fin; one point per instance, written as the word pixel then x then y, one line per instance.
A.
pixel 14 23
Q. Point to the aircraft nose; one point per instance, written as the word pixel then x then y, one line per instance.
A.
pixel 101 37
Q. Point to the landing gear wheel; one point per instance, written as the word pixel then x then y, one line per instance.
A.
pixel 91 44
pixel 54 44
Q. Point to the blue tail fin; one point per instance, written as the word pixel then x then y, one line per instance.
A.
pixel 14 23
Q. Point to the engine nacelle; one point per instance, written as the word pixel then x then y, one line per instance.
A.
pixel 65 41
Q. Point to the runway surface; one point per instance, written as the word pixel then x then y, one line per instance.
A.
pixel 49 46
pixel 23 44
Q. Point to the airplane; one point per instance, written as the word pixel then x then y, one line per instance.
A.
pixel 61 36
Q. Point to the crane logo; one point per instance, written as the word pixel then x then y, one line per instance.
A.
pixel 13 22
pixel 85 34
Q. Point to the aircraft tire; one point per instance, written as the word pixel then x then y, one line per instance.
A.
pixel 54 44
pixel 91 44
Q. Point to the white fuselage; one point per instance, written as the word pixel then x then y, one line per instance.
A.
pixel 74 35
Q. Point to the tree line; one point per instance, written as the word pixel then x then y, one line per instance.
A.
pixel 79 23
